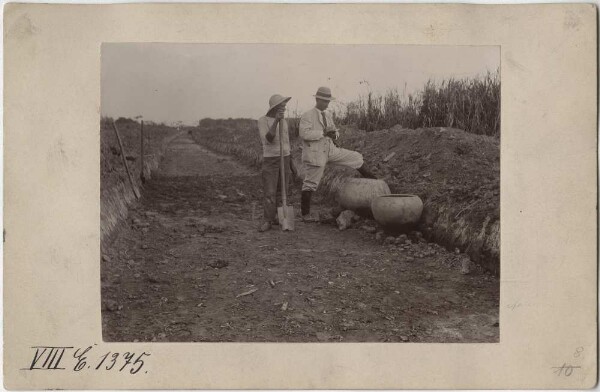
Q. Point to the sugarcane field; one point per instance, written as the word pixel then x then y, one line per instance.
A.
pixel 272 193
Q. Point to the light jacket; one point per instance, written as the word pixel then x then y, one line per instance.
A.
pixel 314 143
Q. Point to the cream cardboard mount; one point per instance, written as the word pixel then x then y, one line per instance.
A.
pixel 548 198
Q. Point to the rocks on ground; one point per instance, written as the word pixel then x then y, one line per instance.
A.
pixel 415 246
pixel 369 229
pixel 344 220
pixel 218 263
pixel 326 217
pixel 112 305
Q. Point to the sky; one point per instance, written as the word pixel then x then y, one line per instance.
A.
pixel 166 82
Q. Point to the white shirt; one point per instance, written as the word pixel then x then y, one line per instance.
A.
pixel 272 149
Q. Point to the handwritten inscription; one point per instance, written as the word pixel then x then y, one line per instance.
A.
pixel 85 358
pixel 48 358
pixel 565 370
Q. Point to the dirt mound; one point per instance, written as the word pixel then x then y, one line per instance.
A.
pixel 457 174
pixel 438 164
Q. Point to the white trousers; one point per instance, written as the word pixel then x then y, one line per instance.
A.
pixel 334 155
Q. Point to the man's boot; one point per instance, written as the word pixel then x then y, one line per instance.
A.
pixel 305 202
pixel 305 207
pixel 365 172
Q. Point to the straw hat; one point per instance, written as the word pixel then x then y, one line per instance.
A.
pixel 324 93
pixel 276 100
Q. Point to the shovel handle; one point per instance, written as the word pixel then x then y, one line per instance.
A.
pixel 282 166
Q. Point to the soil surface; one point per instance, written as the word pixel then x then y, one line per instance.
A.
pixel 189 265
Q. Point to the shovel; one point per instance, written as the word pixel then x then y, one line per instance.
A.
pixel 285 213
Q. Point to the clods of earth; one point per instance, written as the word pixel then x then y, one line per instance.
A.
pixel 190 266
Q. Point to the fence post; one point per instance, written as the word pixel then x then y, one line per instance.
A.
pixel 135 190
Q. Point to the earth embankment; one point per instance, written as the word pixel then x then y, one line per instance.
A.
pixel 116 192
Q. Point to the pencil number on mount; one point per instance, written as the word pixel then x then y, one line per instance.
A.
pixel 568 369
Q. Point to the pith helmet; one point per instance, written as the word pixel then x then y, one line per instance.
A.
pixel 276 100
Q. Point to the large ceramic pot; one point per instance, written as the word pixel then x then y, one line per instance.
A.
pixel 397 211
pixel 358 193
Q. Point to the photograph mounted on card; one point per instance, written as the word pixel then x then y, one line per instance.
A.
pixel 375 173
pixel 196 200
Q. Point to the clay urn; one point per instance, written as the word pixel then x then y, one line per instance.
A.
pixel 397 211
pixel 357 193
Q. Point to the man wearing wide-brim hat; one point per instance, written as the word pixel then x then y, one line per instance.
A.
pixel 271 174
pixel 318 132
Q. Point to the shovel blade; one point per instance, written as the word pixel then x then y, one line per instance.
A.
pixel 286 218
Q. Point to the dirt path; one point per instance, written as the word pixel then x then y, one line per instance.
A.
pixel 190 248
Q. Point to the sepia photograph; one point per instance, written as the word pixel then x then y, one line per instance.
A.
pixel 300 193
pixel 350 196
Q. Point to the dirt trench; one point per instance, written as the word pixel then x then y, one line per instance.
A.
pixel 189 265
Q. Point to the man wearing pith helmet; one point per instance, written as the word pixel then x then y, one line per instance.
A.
pixel 318 132
pixel 269 137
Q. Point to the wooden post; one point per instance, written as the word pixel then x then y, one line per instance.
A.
pixel 142 176
pixel 135 191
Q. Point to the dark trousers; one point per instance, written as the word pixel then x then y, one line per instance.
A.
pixel 271 179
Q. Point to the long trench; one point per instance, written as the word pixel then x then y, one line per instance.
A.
pixel 189 265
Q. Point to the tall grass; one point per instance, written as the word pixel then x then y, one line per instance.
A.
pixel 471 104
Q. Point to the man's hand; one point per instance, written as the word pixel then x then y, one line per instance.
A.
pixel 332 133
pixel 280 114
